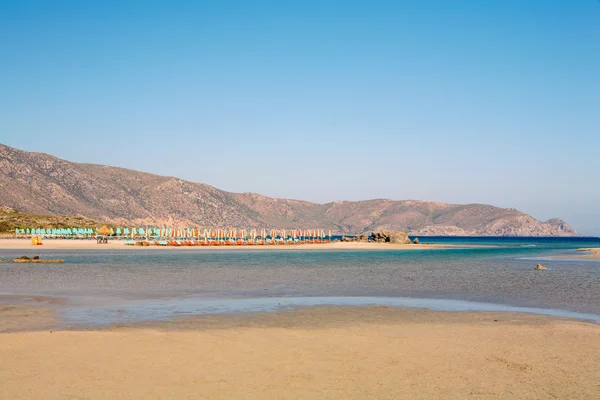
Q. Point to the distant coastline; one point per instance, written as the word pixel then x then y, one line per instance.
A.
pixel 43 185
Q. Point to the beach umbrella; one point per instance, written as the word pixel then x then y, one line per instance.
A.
pixel 118 231
pixel 105 231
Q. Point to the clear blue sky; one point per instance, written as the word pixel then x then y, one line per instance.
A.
pixel 490 101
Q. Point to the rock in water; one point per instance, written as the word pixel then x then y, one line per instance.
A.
pixel 540 267
pixel 416 241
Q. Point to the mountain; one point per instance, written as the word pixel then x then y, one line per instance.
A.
pixel 42 184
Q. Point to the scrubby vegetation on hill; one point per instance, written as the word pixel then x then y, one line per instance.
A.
pixel 11 219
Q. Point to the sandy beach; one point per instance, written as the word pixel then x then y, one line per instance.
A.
pixel 25 244
pixel 321 352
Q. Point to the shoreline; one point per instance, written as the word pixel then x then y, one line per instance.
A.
pixel 317 352
pixel 62 244
pixel 594 254
pixel 56 312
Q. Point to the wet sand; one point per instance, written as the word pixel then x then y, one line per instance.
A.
pixel 315 352
pixel 594 253
pixel 25 244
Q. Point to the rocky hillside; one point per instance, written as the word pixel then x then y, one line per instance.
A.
pixel 42 184
pixel 11 219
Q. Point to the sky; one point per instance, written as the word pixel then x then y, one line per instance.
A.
pixel 494 102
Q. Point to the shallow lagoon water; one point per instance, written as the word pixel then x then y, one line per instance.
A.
pixel 151 310
pixel 159 284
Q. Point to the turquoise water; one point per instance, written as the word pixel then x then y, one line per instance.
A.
pixel 131 285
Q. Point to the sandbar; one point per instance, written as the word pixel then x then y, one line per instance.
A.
pixel 311 353
pixel 62 244
pixel 594 253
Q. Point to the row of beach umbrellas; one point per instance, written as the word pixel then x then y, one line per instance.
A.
pixel 188 233
pixel 56 231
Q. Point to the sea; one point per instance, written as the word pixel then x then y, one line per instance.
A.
pixel 476 274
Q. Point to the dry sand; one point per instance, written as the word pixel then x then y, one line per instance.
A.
pixel 25 244
pixel 311 353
